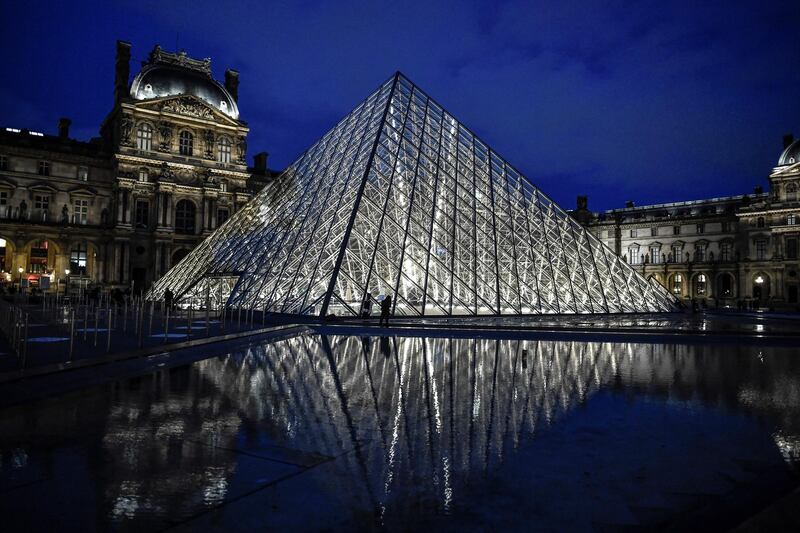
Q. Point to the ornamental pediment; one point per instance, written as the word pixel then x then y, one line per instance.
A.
pixel 187 106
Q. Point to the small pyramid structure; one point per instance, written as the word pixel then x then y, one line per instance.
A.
pixel 400 198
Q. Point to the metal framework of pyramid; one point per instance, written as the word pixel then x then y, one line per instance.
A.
pixel 400 198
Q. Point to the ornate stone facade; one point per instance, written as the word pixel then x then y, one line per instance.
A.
pixel 732 251
pixel 121 209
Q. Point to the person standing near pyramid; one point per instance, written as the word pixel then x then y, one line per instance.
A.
pixel 386 309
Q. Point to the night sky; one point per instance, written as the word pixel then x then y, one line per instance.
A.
pixel 649 101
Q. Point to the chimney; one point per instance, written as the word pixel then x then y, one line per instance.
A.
pixel 582 203
pixel 758 189
pixel 630 203
pixel 788 139
pixel 232 83
pixel 63 127
pixel 260 162
pixel 122 70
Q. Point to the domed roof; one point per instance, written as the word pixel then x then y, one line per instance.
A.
pixel 791 155
pixel 160 80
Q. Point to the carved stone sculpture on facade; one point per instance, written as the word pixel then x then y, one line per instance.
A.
pixel 165 130
pixel 125 127
pixel 187 106
pixel 208 138
pixel 241 148
pixel 166 173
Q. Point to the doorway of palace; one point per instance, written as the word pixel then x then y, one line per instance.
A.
pixel 760 287
pixel 792 294
pixel 139 278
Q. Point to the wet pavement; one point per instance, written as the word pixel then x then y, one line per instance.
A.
pixel 331 432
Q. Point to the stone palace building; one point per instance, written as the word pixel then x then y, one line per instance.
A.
pixel 731 251
pixel 120 210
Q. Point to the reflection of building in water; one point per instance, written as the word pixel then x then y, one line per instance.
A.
pixel 435 413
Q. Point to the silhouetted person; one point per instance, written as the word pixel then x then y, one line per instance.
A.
pixel 386 349
pixel 366 307
pixel 386 309
pixel 168 296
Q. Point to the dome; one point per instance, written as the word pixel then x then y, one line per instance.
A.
pixel 791 155
pixel 160 80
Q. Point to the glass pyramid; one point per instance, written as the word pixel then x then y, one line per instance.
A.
pixel 400 198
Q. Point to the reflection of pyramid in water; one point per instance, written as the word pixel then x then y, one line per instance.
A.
pixel 399 198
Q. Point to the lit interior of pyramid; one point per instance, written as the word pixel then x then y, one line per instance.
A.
pixel 401 199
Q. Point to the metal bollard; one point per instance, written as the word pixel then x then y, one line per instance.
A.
pixel 85 320
pixel 150 326
pixel 96 324
pixel 108 330
pixel 125 318
pixel 166 326
pixel 71 332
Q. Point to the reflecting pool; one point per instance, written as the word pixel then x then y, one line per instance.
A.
pixel 340 432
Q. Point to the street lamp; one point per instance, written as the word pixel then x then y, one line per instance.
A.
pixel 20 270
pixel 66 283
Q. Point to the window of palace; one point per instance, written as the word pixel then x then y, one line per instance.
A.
pixel 144 137
pixel 44 168
pixel 223 186
pixel 77 260
pixel 224 150
pixel 3 162
pixel 791 219
pixel 701 228
pixel 677 284
pixel 676 230
pixel 725 251
pixel 791 248
pixel 4 207
pixel 676 253
pixel 184 217
pixel 700 285
pixel 655 254
pixel 725 285
pixel 726 227
pixel 80 211
pixel 654 232
pixel 760 222
pixel 633 255
pixel 761 249
pixel 38 257
pixel 41 201
pixel 634 232
pixel 700 253
pixel 791 192
pixel 144 175
pixel 83 173
pixel 142 214
pixel 186 143
pixel 222 216
pixel 2 255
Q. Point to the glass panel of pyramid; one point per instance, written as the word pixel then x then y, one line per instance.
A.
pixel 400 198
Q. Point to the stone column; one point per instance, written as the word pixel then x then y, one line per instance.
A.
pixel 168 222
pixel 115 274
pixel 213 203
pixel 119 206
pixel 157 260
pixel 159 208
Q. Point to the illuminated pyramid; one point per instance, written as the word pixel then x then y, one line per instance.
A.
pixel 400 198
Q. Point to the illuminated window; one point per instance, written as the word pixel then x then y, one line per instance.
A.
pixel 676 254
pixel 700 285
pixel 184 217
pixel 224 152
pixel 655 254
pixel 791 219
pixel 144 137
pixel 223 186
pixel 144 174
pixel 2 255
pixel 44 168
pixel 77 260
pixel 38 258
pixel 142 213
pixel 186 143
pixel 677 284
pixel 633 255
pixel 80 211
pixel 761 249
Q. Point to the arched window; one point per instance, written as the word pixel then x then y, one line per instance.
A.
pixel 186 143
pixel 77 260
pixel 184 217
pixel 144 137
pixel 224 151
pixel 791 192
pixel 677 284
pixel 700 285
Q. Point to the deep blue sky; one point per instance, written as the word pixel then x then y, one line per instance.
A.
pixel 651 101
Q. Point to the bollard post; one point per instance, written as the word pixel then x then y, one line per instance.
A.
pixel 166 326
pixel 85 320
pixel 25 346
pixel 96 324
pixel 141 323
pixel 189 321
pixel 108 330
pixel 207 330
pixel 150 326
pixel 71 332
pixel 125 318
